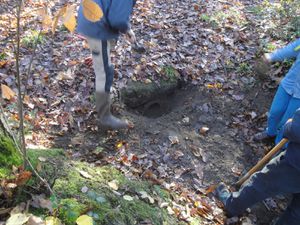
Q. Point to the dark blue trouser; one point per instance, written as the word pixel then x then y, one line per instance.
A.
pixel 276 178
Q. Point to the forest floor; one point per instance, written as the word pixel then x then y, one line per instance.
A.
pixel 185 141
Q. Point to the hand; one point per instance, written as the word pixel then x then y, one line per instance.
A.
pixel 289 120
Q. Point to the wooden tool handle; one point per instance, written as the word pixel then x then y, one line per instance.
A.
pixel 262 162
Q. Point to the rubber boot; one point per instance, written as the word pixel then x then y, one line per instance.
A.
pixel 105 119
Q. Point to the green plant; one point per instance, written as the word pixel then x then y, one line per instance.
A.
pixel 3 56
pixel 170 72
pixel 270 47
pixel 244 68
pixel 32 38
pixel 257 10
pixel 205 17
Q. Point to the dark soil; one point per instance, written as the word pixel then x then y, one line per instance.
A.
pixel 168 131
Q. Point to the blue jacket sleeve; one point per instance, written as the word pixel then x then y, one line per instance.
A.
pixel 290 51
pixel 292 129
pixel 119 14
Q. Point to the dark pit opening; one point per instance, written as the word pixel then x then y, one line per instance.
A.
pixel 151 100
pixel 154 108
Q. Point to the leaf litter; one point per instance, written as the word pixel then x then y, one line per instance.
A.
pixel 194 37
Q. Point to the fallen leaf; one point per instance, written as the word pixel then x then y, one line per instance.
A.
pixel 23 177
pixel 128 198
pixel 60 13
pixel 11 185
pixel 65 75
pixel 4 211
pixel 34 220
pixel 42 159
pixel 52 221
pixel 113 185
pixel 69 19
pixel 210 189
pixel 17 219
pixel 174 140
pixel 7 93
pixel 84 220
pixel 148 81
pixel 85 174
pixel 46 19
pixel 170 211
pixel 39 201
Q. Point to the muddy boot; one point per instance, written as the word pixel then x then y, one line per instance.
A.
pixel 105 119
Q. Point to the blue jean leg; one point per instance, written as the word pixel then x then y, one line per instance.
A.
pixel 278 108
pixel 293 105
pixel 276 178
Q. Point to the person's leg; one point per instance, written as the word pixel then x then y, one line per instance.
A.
pixel 293 105
pixel 291 216
pixel 277 110
pixel 104 77
pixel 277 177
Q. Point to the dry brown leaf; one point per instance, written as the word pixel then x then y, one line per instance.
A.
pixel 69 19
pixel 210 189
pixel 46 19
pixel 23 177
pixel 60 13
pixel 34 220
pixel 7 93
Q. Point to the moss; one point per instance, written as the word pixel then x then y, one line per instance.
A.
pixel 34 154
pixel 170 73
pixel 106 206
pixel 51 168
pixel 9 156
pixel 165 195
pixel 138 210
pixel 69 210
pixel 196 221
pixel 39 212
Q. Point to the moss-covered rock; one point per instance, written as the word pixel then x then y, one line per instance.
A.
pixel 9 156
pixel 48 154
pixel 83 189
pixel 138 93
pixel 105 205
pixel 69 210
